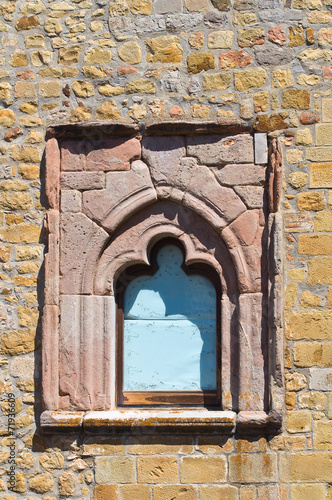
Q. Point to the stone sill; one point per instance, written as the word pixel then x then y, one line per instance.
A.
pixel 92 422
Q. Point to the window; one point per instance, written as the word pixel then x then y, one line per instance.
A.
pixel 168 333
pixel 161 230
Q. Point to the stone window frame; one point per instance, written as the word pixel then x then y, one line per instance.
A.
pixel 55 418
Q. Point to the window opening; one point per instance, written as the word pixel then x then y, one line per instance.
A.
pixel 168 332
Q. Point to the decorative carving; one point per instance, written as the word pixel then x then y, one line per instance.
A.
pixel 204 190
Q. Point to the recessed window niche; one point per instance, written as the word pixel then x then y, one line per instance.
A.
pixel 162 278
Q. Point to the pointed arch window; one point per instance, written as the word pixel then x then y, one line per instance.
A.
pixel 168 331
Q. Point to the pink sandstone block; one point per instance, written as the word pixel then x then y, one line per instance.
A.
pixel 87 324
pixel 71 201
pixel 50 354
pixel 214 150
pixel 81 243
pixel 252 351
pixel 253 196
pixel 163 154
pixel 82 180
pixel 52 173
pixel 51 290
pixel 204 193
pixel 125 193
pixel 105 154
pixel 240 175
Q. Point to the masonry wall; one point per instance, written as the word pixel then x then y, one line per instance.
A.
pixel 267 62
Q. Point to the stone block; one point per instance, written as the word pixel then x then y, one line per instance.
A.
pixel 320 379
pixel 50 364
pixel 100 154
pixel 327 110
pixel 312 354
pixel 105 492
pixel 298 421
pixel 119 470
pixel 323 435
pixel 249 78
pixel 154 469
pixel 315 244
pixel 253 468
pixel 323 221
pixel 312 401
pixel 274 56
pixel 295 99
pixel 323 134
pixel 82 181
pixel 240 174
pixel 311 200
pixel 218 492
pixel 52 180
pixel 261 153
pixel 84 373
pixel 125 193
pixel 220 40
pixel 174 492
pixel 214 150
pixel 203 469
pixel 319 154
pixel 163 155
pixel 71 201
pixel 160 445
pixel 309 467
pixel 252 196
pixel 135 491
pixel 320 271
pixel 306 491
pixel 312 324
pixel 81 243
pixel 321 175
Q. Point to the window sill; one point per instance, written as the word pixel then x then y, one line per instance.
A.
pixel 92 422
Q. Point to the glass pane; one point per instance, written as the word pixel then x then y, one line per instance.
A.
pixel 169 329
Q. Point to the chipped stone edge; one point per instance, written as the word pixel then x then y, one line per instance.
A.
pixel 92 422
pixel 152 127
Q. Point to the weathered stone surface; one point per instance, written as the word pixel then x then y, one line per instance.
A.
pixel 165 49
pixel 297 99
pixel 125 192
pixel 261 152
pixel 249 78
pixel 52 175
pixel 82 181
pixel 84 374
pixel 163 155
pixel 108 111
pixel 130 52
pixel 50 354
pixel 216 81
pixel 234 59
pixel 203 469
pixel 100 155
pixel 213 150
pixel 252 196
pixel 241 174
pixel 320 379
pixel 272 56
pixel 82 240
pixel 248 468
pixel 264 123
pixel 141 86
pixel 201 61
pixel 250 37
pixel 220 40
pixel 115 470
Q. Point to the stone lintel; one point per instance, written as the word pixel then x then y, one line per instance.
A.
pixel 169 127
pixel 194 127
pixel 94 129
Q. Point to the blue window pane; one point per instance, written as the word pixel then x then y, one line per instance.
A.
pixel 169 329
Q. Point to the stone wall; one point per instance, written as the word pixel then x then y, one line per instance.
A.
pixel 265 62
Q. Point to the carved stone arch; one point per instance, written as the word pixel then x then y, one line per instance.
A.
pixel 130 244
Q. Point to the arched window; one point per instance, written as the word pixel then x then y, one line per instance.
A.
pixel 168 332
